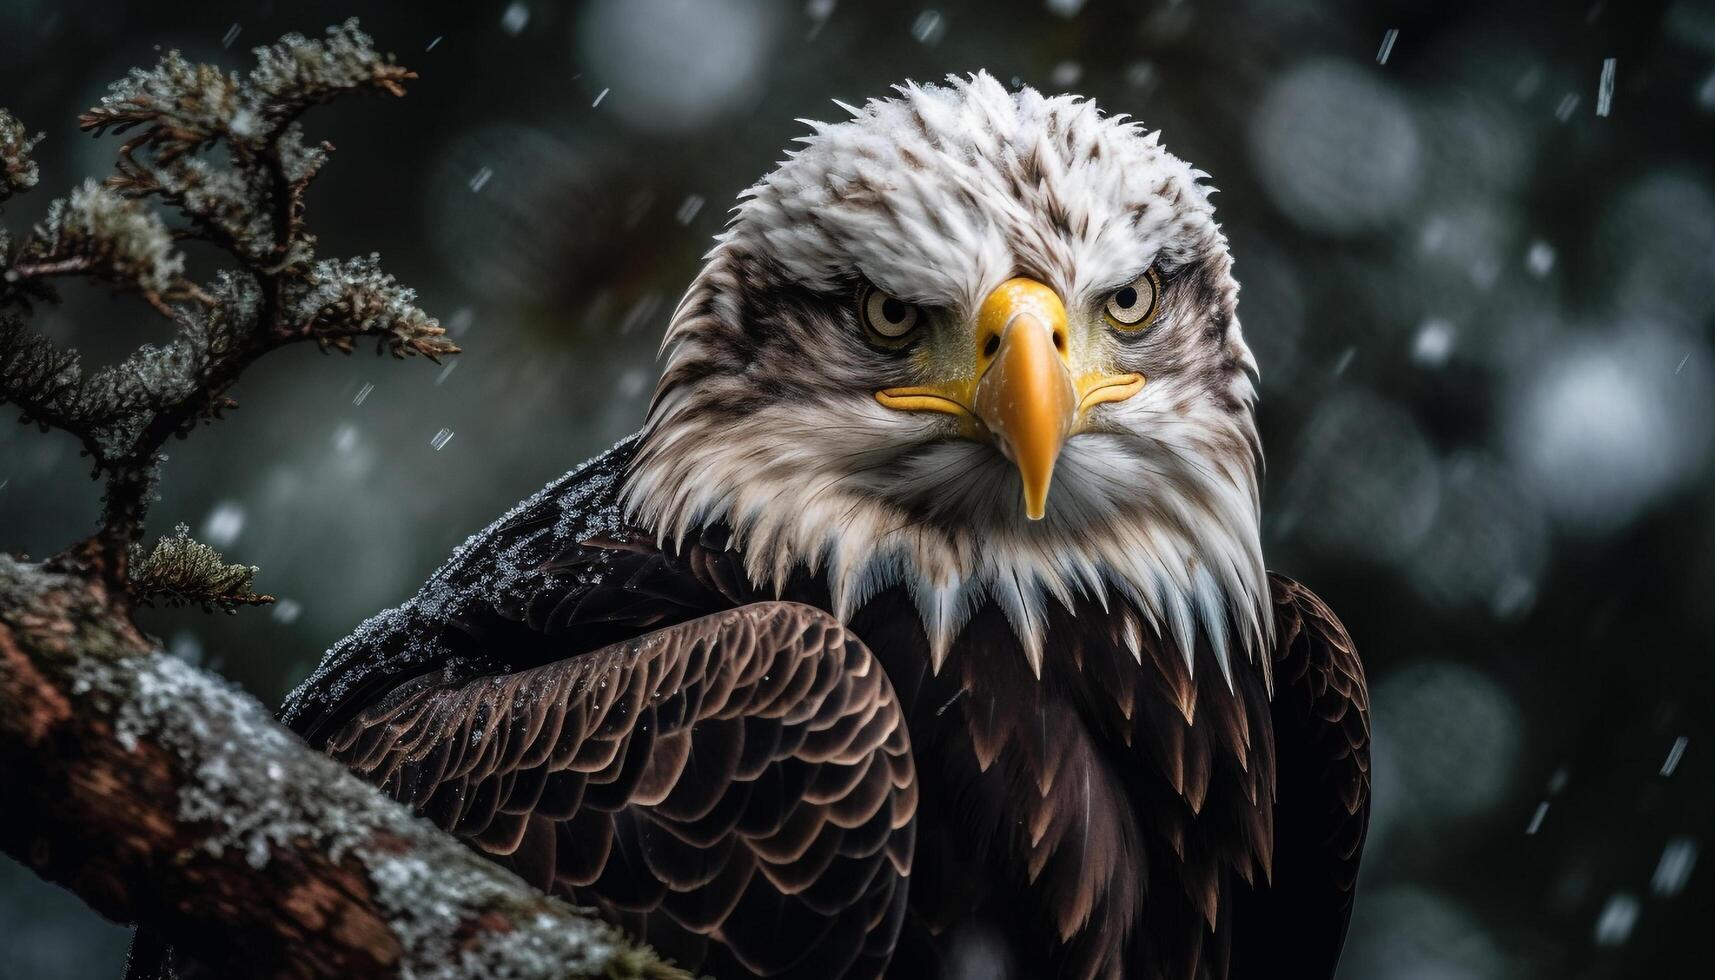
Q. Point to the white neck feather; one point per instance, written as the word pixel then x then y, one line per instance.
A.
pixel 1144 528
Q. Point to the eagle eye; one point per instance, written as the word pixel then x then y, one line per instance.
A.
pixel 887 317
pixel 1134 305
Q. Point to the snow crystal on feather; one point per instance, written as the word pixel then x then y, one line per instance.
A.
pixel 500 567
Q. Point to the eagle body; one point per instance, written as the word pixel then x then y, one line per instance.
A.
pixel 1113 819
pixel 924 628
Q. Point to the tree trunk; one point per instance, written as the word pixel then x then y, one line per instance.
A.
pixel 162 795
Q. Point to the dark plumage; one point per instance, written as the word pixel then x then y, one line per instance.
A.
pixel 1110 820
pixel 815 678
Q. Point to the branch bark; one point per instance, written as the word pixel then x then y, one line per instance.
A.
pixel 162 795
pixel 159 794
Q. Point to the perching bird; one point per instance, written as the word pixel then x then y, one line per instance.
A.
pixel 924 628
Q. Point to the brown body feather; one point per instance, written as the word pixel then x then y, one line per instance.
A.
pixel 738 789
pixel 1103 744
pixel 730 776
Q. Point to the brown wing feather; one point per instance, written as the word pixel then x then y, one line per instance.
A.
pixel 739 788
pixel 1321 718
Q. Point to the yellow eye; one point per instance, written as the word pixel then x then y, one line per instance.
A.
pixel 1134 305
pixel 887 316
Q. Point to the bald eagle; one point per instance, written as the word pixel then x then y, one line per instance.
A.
pixel 924 628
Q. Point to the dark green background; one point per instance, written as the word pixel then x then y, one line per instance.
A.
pixel 1482 314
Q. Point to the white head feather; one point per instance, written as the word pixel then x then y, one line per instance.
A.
pixel 765 417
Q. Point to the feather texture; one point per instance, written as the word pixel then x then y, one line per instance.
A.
pixel 1106 744
pixel 765 418
pixel 1126 815
pixel 695 782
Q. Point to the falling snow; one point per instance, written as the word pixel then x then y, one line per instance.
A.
pixel 1386 50
pixel 1536 818
pixel 345 438
pixel 1467 386
pixel 928 28
pixel 1614 925
pixel 1672 872
pixel 1605 88
pixel 1674 754
pixel 223 525
pixel 1433 344
pixel 1540 259
pixel 1066 74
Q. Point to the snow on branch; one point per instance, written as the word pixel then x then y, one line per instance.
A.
pixel 163 795
pixel 17 170
pixel 158 793
pixel 97 232
pixel 340 301
pixel 227 153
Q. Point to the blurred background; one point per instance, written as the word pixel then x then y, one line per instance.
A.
pixel 1479 279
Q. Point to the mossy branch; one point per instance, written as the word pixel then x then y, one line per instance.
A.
pixel 181 571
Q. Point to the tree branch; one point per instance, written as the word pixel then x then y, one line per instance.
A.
pixel 250 202
pixel 161 795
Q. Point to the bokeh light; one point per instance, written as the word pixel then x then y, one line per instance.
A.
pixel 1336 147
pixel 674 65
pixel 1602 425
pixel 1364 480
pixel 1454 737
pixel 1409 933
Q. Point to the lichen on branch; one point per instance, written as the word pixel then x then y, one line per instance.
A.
pixel 166 795
pixel 181 571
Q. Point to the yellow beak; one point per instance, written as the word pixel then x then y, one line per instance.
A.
pixel 1022 393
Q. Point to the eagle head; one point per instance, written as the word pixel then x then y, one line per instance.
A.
pixel 983 345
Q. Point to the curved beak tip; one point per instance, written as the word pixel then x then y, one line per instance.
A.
pixel 1036 502
pixel 1026 398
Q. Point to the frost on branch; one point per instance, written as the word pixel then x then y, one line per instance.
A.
pixel 162 793
pixel 354 298
pixel 110 237
pixel 186 104
pixel 157 792
pixel 38 376
pixel 17 170
pixel 227 153
pixel 180 109
pixel 295 73
pixel 181 571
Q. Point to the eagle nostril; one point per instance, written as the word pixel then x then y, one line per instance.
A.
pixel 993 345
pixel 1060 341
